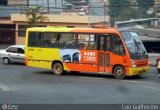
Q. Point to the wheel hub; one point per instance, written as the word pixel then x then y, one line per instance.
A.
pixel 58 69
pixel 119 72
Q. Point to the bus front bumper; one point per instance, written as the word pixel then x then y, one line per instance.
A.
pixel 138 71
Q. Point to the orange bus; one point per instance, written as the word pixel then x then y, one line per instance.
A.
pixel 119 52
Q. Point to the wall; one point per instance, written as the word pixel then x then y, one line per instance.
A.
pixel 17 2
pixel 21 40
pixel 71 19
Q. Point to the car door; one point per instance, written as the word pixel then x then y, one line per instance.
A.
pixel 20 55
pixel 11 53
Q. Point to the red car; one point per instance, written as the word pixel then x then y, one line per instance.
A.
pixel 158 64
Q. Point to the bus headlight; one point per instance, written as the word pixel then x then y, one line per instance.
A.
pixel 133 63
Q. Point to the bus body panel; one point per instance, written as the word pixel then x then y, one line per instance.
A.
pixel 138 70
pixel 142 66
pixel 43 57
pixel 81 60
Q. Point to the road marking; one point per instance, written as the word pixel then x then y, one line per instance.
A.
pixel 4 88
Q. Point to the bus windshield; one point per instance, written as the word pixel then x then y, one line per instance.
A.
pixel 133 43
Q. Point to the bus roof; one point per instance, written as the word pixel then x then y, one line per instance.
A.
pixel 74 30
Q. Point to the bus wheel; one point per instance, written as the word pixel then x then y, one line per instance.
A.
pixel 57 69
pixel 6 61
pixel 119 72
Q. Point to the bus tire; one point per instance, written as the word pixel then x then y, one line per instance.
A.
pixel 57 68
pixel 6 61
pixel 119 72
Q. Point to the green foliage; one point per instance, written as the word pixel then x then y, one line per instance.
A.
pixel 34 16
pixel 121 10
pixel 116 9
pixel 145 4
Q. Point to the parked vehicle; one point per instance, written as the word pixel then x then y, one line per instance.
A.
pixel 14 53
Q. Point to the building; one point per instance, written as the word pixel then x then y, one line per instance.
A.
pixel 13 24
pixel 134 22
pixel 157 1
pixel 3 2
pixel 54 20
pixel 13 30
pixel 17 2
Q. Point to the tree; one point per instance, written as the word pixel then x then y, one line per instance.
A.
pixel 123 10
pixel 34 16
pixel 145 4
pixel 117 9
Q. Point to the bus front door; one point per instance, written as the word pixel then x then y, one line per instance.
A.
pixel 104 53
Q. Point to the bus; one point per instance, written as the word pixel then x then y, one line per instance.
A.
pixel 97 50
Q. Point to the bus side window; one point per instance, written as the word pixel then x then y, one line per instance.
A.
pixel 87 41
pixel 47 44
pixel 118 47
pixel 102 43
pixel 67 41
pixel 108 43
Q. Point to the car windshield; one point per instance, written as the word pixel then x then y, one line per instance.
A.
pixel 133 43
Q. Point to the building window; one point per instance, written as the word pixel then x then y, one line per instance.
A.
pixel 3 2
pixel 22 30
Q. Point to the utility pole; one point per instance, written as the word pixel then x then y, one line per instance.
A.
pixel 48 6
pixel 89 15
pixel 55 3
pixel 27 3
pixel 104 13
pixel 62 5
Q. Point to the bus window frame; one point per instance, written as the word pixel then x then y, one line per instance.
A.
pixel 111 43
pixel 58 38
pixel 122 43
pixel 91 41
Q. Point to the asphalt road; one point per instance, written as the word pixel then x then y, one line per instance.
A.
pixel 25 85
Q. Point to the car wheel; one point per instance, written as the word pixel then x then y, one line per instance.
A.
pixel 119 72
pixel 6 61
pixel 57 69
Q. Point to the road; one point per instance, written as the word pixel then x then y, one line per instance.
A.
pixel 25 85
